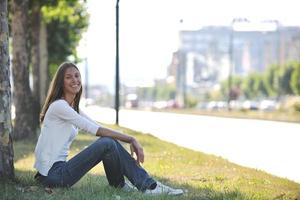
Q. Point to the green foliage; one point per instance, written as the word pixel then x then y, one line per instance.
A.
pixel 223 88
pixel 144 93
pixel 66 21
pixel 165 92
pixel 285 74
pixel 271 80
pixel 214 95
pixel 295 79
pixel 236 83
pixel 253 86
pixel 274 82
pixel 157 93
pixel 297 106
pixel 191 101
pixel 249 84
pixel 260 89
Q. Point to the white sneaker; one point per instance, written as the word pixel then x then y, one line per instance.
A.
pixel 128 187
pixel 163 189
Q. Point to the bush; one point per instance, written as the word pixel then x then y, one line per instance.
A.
pixel 191 101
pixel 297 106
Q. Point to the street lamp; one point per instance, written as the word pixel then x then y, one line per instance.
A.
pixel 231 61
pixel 274 25
pixel 117 91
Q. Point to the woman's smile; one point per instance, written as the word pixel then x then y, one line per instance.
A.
pixel 72 81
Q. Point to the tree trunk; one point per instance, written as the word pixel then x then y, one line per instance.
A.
pixel 44 67
pixel 6 146
pixel 35 51
pixel 35 55
pixel 26 122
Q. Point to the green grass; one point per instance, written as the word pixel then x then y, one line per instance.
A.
pixel 203 176
pixel 284 116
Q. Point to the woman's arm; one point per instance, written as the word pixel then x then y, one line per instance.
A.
pixel 60 109
pixel 135 145
pixel 82 113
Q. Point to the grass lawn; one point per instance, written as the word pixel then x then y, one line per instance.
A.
pixel 203 176
pixel 284 116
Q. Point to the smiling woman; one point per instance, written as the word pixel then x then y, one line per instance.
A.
pixel 61 87
pixel 72 84
pixel 61 118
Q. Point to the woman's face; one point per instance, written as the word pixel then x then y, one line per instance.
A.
pixel 72 81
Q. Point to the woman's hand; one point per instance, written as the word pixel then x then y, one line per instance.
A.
pixel 136 148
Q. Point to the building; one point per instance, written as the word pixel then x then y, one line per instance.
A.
pixel 205 56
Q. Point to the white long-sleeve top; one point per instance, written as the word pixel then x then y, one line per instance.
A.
pixel 60 126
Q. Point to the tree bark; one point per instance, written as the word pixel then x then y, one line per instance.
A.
pixel 6 145
pixel 35 56
pixel 26 122
pixel 44 67
pixel 35 52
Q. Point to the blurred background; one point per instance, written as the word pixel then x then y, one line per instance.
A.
pixel 205 56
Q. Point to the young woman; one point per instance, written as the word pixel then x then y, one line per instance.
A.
pixel 61 118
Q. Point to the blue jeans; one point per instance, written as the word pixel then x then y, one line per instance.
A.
pixel 117 164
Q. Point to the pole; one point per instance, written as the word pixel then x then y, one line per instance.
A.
pixel 279 60
pixel 230 64
pixel 231 58
pixel 117 93
pixel 278 42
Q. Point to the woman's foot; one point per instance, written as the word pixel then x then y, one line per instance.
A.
pixel 128 187
pixel 163 189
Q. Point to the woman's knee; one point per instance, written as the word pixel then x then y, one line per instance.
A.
pixel 107 142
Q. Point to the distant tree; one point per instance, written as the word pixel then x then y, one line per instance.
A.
pixel 65 21
pixel 35 56
pixel 6 146
pixel 26 122
pixel 261 86
pixel 165 92
pixel 51 24
pixel 44 77
pixel 295 79
pixel 271 80
pixel 254 87
pixel 249 86
pixel 44 34
pixel 35 26
pixel 233 92
pixel 285 79
pixel 191 101
pixel 146 93
pixel 56 28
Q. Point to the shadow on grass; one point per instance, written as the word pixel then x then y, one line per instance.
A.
pixel 23 148
pixel 96 187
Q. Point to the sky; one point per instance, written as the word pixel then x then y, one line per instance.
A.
pixel 149 32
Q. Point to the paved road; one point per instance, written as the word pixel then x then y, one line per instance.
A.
pixel 266 145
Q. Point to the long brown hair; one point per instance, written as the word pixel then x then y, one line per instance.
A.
pixel 55 90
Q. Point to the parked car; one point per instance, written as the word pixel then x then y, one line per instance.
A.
pixel 268 105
